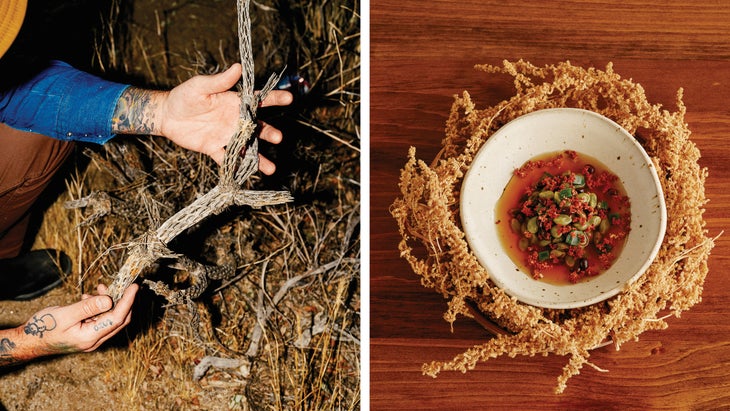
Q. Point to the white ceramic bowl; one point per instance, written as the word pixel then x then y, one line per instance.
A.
pixel 554 130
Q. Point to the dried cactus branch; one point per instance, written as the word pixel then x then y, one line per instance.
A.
pixel 234 171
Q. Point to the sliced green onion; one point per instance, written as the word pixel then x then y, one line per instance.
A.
pixel 575 237
pixel 572 238
pixel 565 193
pixel 579 180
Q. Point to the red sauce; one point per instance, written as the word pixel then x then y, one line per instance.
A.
pixel 567 252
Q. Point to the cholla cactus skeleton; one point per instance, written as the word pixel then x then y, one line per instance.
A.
pixel 235 170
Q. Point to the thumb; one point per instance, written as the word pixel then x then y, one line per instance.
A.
pixel 92 306
pixel 218 83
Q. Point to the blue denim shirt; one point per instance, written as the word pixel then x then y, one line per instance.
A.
pixel 64 103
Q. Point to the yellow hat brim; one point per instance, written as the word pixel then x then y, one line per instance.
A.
pixel 12 13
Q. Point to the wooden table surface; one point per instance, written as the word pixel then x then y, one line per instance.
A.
pixel 422 54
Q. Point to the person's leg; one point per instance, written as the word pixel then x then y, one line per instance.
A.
pixel 28 162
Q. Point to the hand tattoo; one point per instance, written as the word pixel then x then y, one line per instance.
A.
pixel 38 326
pixel 133 113
pixel 103 324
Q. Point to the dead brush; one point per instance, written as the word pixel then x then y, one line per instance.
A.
pixel 288 321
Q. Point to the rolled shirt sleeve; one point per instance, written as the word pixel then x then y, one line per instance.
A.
pixel 64 103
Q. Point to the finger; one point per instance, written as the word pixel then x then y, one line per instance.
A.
pixel 218 83
pixel 127 319
pixel 124 305
pixel 266 166
pixel 277 98
pixel 270 134
pixel 86 308
pixel 101 289
pixel 111 323
pixel 104 333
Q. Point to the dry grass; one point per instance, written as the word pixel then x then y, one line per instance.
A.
pixel 297 277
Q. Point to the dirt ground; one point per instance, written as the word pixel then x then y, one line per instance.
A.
pixel 71 382
pixel 149 366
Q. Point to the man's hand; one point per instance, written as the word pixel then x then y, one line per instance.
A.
pixel 200 114
pixel 82 326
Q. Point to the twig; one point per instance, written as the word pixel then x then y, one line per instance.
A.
pixel 328 134
pixel 216 362
pixel 480 318
pixel 261 316
pixel 263 312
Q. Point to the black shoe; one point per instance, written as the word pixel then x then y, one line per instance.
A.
pixel 33 274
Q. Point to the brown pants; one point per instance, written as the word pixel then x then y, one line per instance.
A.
pixel 28 162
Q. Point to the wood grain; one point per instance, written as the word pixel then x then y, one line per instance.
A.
pixel 423 53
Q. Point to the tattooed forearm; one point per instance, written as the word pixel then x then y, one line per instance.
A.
pixel 135 112
pixel 6 353
pixel 6 346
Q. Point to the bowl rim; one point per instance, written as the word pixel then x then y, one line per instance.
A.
pixel 571 118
